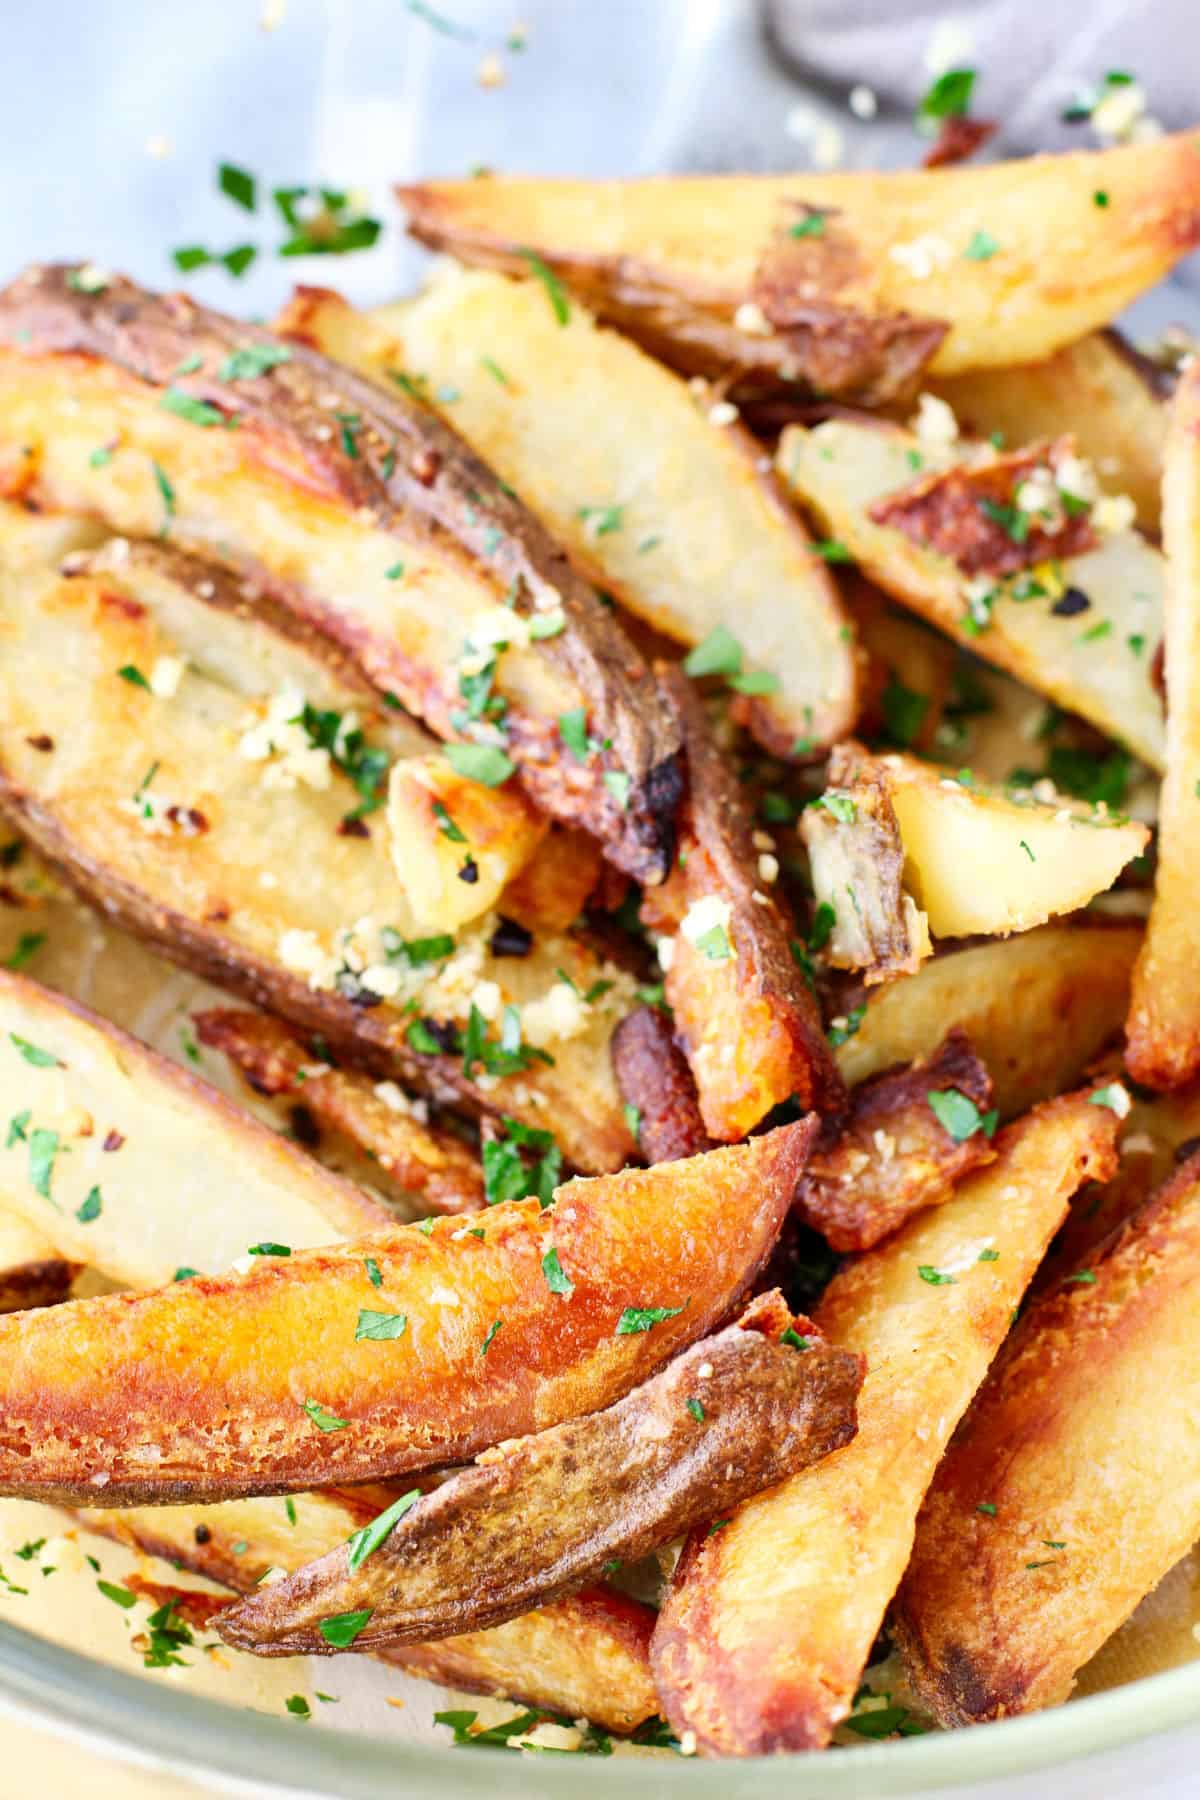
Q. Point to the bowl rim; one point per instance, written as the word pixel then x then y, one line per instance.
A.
pixel 243 1751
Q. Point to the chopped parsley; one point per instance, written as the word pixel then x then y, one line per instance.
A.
pixel 842 1030
pixel 642 1318
pixel 446 825
pixel 322 1418
pixel 1081 1278
pixel 523 1162
pixel 18 1128
pixel 696 1409
pixel 987 1507
pixel 714 944
pixel 269 1249
pixel 342 1629
pixel 904 712
pixel 490 1339
pixel 633 1119
pixel 484 763
pixel 239 185
pixel 949 97
pixel 380 1326
pixel 601 520
pixel 794 1340
pixel 1115 1097
pixel 91 1207
pixel 557 1280
pixel 982 247
pixel 168 1636
pixel 618 784
pixel 369 1537
pixel 556 294
pixel 958 1114
pixel 717 654
pixel 298 1706
pixel 43 1149
pixel 840 805
pixel 572 729
pixel 133 675
pixel 28 945
pixel 120 1596
pixel 832 550
pixel 251 361
pixel 33 1053
pixel 935 1277
pixel 197 412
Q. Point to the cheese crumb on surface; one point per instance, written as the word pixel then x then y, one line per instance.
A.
pixel 723 413
pixel 935 425
pixel 751 319
pixel 166 676
pixel 1113 512
pixel 923 256
pixel 281 741
pixel 768 867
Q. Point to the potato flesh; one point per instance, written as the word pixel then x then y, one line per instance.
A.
pixel 1098 665
pixel 1037 1009
pixel 763 1639
pixel 1063 267
pixel 580 421
pixel 976 862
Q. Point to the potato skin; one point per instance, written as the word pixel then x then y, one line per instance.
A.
pixel 727 1417
pixel 763 1638
pixel 1084 1441
pixel 215 1372
pixel 671 258
pixel 587 1654
pixel 404 471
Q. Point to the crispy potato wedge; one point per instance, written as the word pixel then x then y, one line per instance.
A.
pixel 655 1080
pixel 892 1156
pixel 1164 1018
pixel 308 1369
pixel 746 1019
pixel 32 1271
pixel 1056 1509
pixel 1096 661
pixel 430 1163
pixel 1037 1009
pixel 764 1635
pixel 856 855
pixel 549 894
pixel 859 304
pixel 357 509
pixel 654 501
pixel 94 1120
pixel 726 1418
pixel 153 810
pixel 584 1655
pixel 1111 398
pixel 423 791
pixel 977 861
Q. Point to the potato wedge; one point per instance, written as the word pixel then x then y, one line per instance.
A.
pixel 729 1416
pixel 862 301
pixel 423 791
pixel 654 501
pixel 1164 1018
pixel 153 808
pixel 1111 398
pixel 1056 1510
pixel 764 1635
pixel 1037 1009
pixel 357 509
pixel 655 1080
pixel 746 1019
pixel 94 1119
pixel 32 1272
pixel 584 1655
pixel 432 1164
pixel 857 863
pixel 1096 661
pixel 407 1349
pixel 978 861
pixel 892 1156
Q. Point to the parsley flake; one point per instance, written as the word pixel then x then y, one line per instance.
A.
pixel 642 1318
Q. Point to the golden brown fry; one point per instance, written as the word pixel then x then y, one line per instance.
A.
pixel 238 867
pixel 745 1017
pixel 768 1625
pixel 658 500
pixel 1097 662
pixel 726 1418
pixel 1072 1486
pixel 408 1349
pixel 1037 1008
pixel 357 509
pixel 132 1165
pixel 892 1157
pixel 32 1272
pixel 551 891
pixel 1101 389
pixel 655 1080
pixel 584 1655
pixel 856 858
pixel 1164 1018
pixel 427 1162
pixel 863 300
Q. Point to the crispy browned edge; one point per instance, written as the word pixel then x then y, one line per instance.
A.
pixel 891 1157
pixel 955 1651
pixel 715 821
pixel 944 512
pixel 820 347
pixel 43 1283
pixel 411 469
pixel 654 1078
pixel 598 1639
pixel 423 1159
pixel 872 843
pixel 539 1515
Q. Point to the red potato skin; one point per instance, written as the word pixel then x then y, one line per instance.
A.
pixel 198 1391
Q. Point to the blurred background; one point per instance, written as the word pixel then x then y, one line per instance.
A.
pixel 116 118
